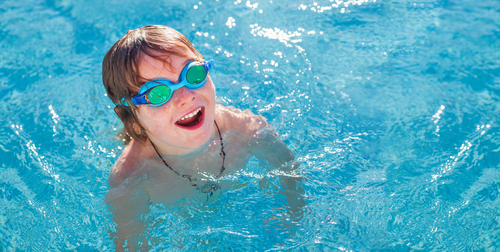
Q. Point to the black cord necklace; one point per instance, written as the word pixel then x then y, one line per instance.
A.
pixel 210 187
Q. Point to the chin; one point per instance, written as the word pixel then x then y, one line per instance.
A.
pixel 199 127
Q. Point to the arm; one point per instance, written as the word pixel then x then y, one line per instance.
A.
pixel 267 147
pixel 264 144
pixel 281 159
pixel 128 202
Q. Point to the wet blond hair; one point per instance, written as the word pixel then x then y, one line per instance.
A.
pixel 120 69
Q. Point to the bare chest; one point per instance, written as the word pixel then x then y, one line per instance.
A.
pixel 200 177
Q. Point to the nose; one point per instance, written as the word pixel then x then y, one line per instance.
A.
pixel 183 96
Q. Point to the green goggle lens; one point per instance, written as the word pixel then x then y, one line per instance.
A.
pixel 196 74
pixel 159 94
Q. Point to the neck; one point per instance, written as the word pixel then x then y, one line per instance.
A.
pixel 173 152
pixel 222 153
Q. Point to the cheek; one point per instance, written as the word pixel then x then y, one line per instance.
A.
pixel 209 90
pixel 212 85
pixel 151 117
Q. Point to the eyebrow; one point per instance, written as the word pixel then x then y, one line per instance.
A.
pixel 141 82
pixel 186 62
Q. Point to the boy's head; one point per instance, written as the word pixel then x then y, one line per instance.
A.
pixel 121 72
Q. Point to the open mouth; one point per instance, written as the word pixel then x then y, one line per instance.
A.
pixel 192 120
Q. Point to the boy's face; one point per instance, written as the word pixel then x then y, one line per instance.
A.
pixel 169 125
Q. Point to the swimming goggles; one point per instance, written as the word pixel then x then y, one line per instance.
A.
pixel 158 91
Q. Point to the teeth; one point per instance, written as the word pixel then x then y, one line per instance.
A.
pixel 191 114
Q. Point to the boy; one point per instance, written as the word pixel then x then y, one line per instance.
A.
pixel 179 141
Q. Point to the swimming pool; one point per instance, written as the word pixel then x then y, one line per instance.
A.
pixel 391 108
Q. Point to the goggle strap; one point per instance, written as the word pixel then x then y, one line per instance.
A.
pixel 139 99
pixel 208 64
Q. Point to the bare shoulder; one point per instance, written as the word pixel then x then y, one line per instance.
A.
pixel 244 122
pixel 126 165
pixel 254 131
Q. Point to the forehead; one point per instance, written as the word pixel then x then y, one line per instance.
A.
pixel 166 65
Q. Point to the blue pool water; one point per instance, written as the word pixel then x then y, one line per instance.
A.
pixel 390 107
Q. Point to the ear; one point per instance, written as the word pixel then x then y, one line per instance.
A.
pixel 117 112
pixel 137 129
